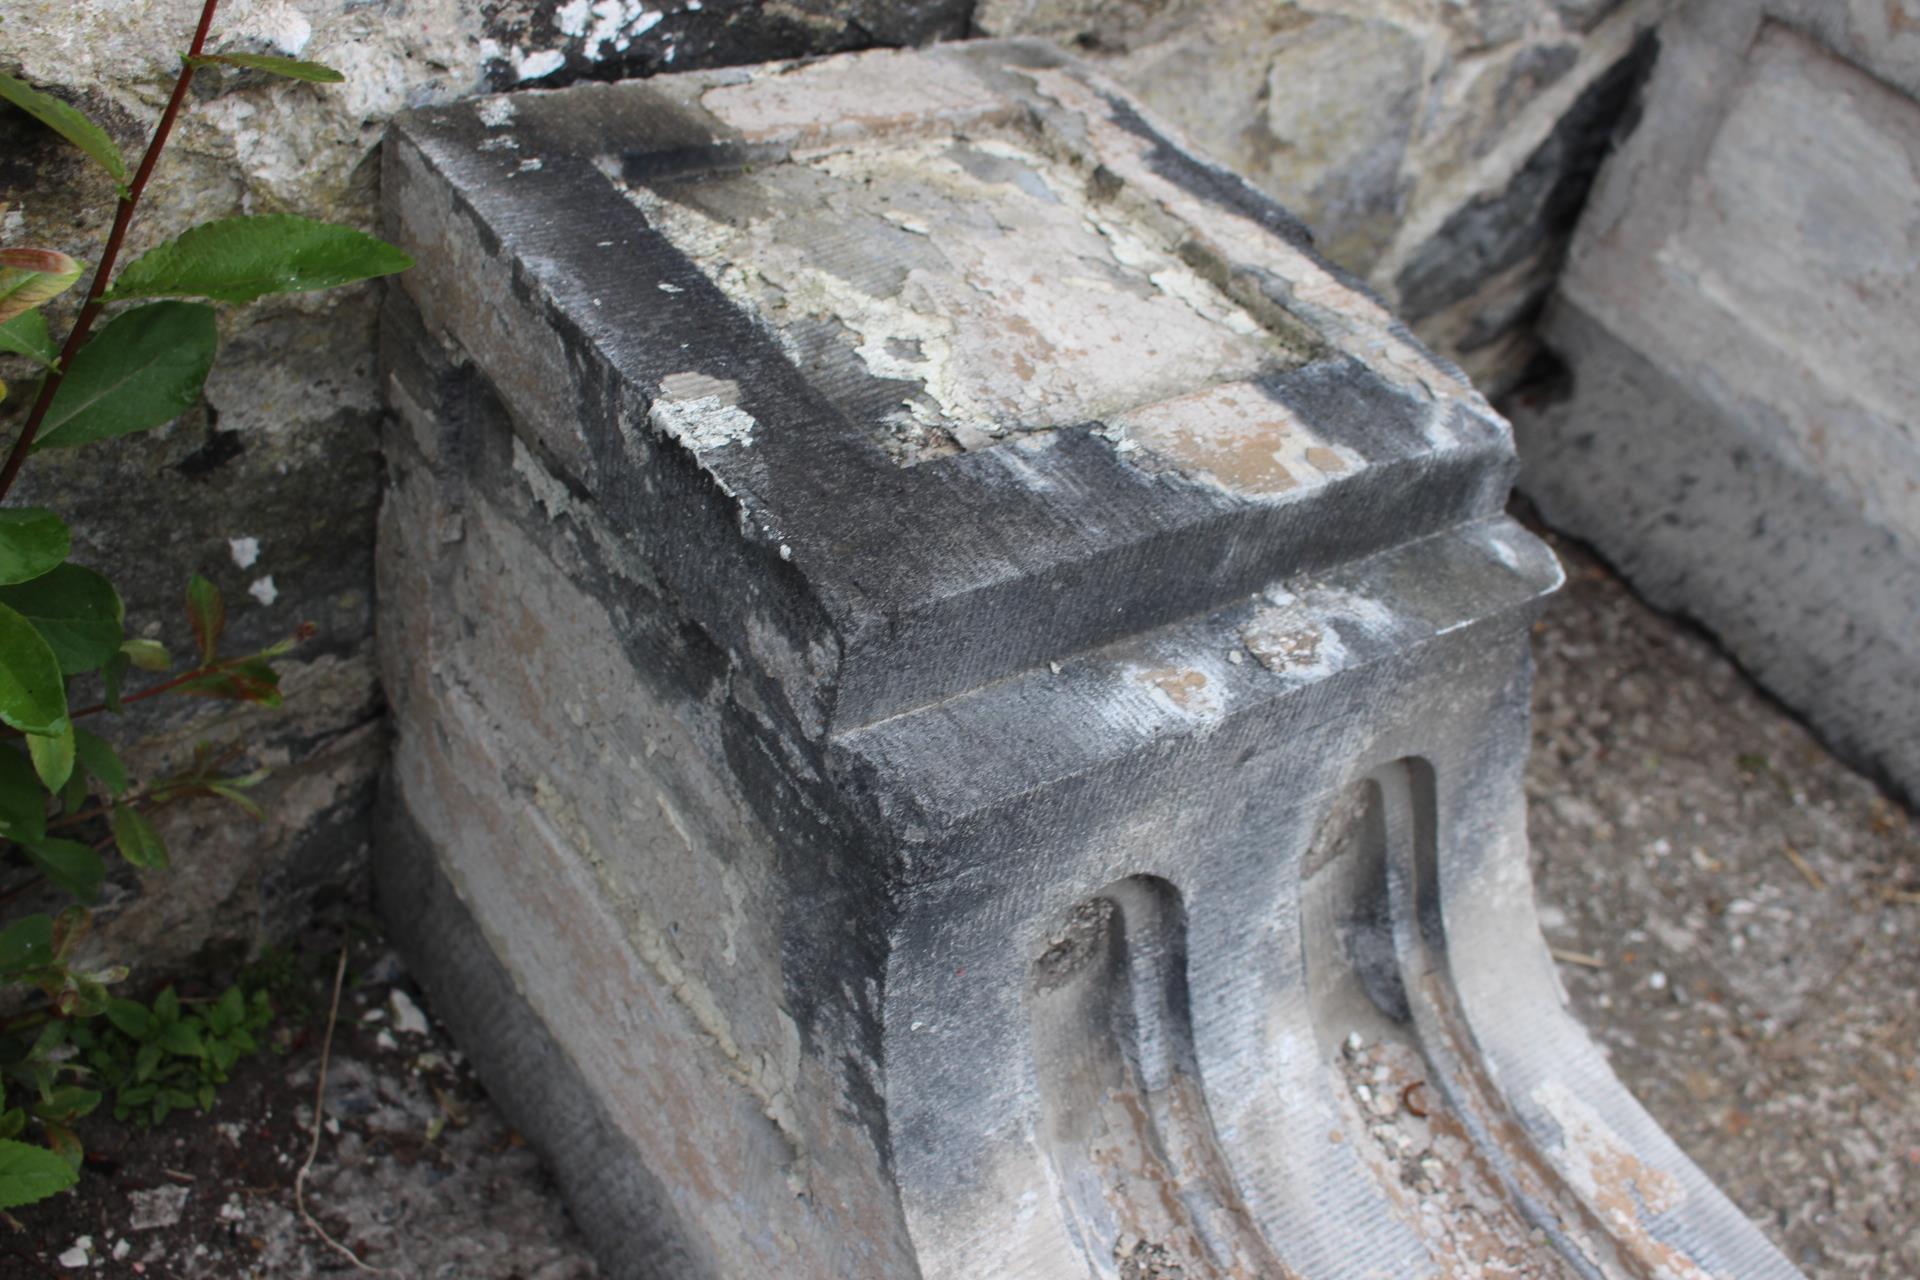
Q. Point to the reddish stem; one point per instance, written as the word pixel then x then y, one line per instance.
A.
pixel 102 274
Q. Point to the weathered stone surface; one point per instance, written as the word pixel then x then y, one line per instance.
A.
pixel 1441 151
pixel 281 459
pixel 906 819
pixel 1741 434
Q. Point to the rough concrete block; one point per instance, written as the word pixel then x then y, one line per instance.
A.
pixel 1738 318
pixel 960 700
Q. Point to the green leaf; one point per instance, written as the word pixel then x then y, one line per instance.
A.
pixel 73 796
pixel 240 259
pixel 130 1016
pixel 12 1122
pixel 291 68
pixel 26 335
pixel 183 1038
pixel 111 676
pixel 53 755
pixel 67 1104
pixel 249 680
pixel 148 655
pixel 26 944
pixel 207 614
pixel 139 842
pixel 100 760
pixel 145 1061
pixel 73 866
pixel 32 541
pixel 76 611
pixel 23 804
pixel 68 123
pixel 166 1005
pixel 29 1173
pixel 29 277
pixel 229 1011
pixel 33 697
pixel 144 369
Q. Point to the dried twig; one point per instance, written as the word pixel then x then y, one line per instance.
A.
pixel 319 1118
pixel 1805 868
pixel 1577 957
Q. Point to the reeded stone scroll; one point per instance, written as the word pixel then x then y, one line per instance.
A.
pixel 960 702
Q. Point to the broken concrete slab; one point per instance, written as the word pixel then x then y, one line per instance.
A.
pixel 1737 320
pixel 960 695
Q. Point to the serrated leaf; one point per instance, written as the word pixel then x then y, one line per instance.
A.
pixel 207 614
pixel 26 944
pixel 53 756
pixel 23 805
pixel 148 655
pixel 76 611
pixel 29 1173
pixel 139 842
pixel 32 541
pixel 73 866
pixel 240 259
pixel 144 369
pixel 33 697
pixel 100 760
pixel 73 796
pixel 26 335
pixel 28 277
pixel 67 122
pixel 290 68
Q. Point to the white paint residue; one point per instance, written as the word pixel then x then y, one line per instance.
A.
pixel 244 551
pixel 600 24
pixel 263 590
pixel 535 65
pixel 530 165
pixel 701 412
pixel 571 18
pixel 495 113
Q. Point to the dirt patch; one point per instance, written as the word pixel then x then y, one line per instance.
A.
pixel 416 1171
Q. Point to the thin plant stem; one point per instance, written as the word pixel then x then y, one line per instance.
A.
pixel 103 274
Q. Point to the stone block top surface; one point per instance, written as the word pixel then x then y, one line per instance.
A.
pixel 954 338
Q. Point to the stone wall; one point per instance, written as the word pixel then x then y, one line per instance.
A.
pixel 1440 148
pixel 1740 431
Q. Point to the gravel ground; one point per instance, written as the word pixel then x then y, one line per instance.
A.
pixel 1744 914
pixel 1736 915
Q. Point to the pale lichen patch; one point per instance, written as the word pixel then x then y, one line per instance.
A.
pixel 978 274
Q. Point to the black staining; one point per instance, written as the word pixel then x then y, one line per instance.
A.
pixel 723 33
pixel 221 448
pixel 1537 211
pixel 1208 182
